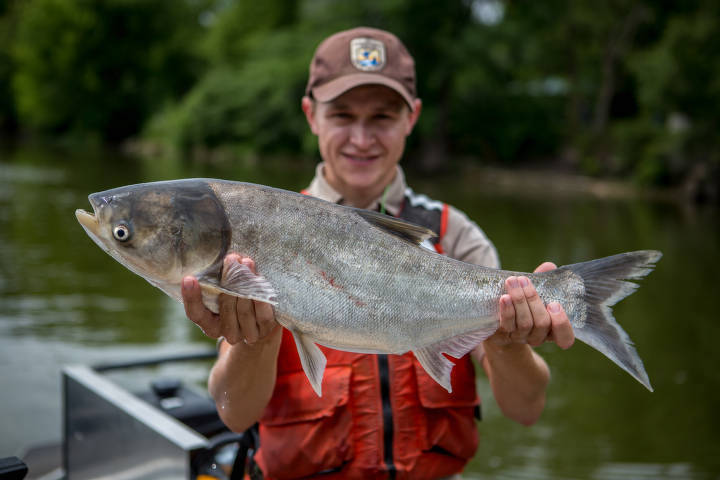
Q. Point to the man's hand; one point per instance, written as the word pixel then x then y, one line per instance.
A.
pixel 518 375
pixel 239 319
pixel 524 318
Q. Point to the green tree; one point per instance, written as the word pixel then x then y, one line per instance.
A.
pixel 100 67
pixel 677 88
pixel 233 35
pixel 7 26
pixel 252 106
pixel 579 47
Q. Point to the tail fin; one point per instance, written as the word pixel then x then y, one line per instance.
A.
pixel 603 289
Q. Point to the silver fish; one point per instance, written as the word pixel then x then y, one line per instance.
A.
pixel 345 278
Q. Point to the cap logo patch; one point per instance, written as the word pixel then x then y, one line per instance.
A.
pixel 367 54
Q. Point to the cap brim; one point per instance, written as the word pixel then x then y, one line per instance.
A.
pixel 334 88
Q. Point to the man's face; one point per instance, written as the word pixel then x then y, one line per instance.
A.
pixel 361 136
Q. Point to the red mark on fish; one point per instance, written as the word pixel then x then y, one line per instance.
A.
pixel 330 280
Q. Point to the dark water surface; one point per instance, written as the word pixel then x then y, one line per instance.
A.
pixel 62 300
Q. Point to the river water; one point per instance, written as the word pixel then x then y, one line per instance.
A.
pixel 64 301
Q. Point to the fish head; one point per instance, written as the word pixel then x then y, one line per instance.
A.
pixel 161 231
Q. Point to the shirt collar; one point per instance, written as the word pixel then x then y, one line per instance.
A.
pixel 394 196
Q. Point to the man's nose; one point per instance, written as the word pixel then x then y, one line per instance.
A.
pixel 361 136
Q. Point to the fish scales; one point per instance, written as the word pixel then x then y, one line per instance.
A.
pixel 356 278
pixel 341 277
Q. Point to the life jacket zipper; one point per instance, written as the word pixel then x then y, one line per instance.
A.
pixel 388 431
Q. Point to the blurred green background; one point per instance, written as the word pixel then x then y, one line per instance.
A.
pixel 619 88
pixel 618 98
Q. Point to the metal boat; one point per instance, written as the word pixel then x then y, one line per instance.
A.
pixel 168 432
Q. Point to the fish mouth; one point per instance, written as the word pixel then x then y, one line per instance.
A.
pixel 87 220
pixel 91 225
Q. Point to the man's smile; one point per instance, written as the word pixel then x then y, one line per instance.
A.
pixel 360 158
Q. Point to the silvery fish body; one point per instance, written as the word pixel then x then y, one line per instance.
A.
pixel 345 278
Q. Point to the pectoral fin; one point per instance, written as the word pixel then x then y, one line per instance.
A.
pixel 437 365
pixel 239 281
pixel 313 361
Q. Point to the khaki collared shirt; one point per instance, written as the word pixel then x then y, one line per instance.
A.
pixel 463 239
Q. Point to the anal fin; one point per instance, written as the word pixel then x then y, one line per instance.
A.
pixel 312 359
pixel 437 365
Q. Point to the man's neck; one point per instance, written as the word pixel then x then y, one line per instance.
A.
pixel 361 198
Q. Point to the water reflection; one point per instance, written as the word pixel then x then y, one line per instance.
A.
pixel 62 300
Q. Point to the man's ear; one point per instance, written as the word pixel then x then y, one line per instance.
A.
pixel 414 115
pixel 308 108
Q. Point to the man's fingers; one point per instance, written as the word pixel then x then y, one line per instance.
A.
pixel 526 317
pixel 250 263
pixel 265 318
pixel 238 318
pixel 243 319
pixel 545 267
pixel 247 321
pixel 507 314
pixel 227 322
pixel 523 315
pixel 195 308
pixel 262 321
pixel 192 298
pixel 562 331
pixel 540 317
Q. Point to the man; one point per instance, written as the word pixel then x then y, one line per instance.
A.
pixel 380 416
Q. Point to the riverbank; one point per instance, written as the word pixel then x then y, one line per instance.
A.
pixel 530 179
pixel 550 182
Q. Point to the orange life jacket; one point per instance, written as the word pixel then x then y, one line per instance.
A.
pixel 380 416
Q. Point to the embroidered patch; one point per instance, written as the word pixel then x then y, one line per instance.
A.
pixel 367 54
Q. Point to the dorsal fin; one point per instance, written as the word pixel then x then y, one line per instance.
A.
pixel 400 228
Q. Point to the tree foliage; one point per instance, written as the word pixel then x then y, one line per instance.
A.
pixel 8 117
pixel 678 85
pixel 231 106
pixel 622 87
pixel 99 66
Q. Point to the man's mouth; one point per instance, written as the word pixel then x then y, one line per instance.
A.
pixel 360 159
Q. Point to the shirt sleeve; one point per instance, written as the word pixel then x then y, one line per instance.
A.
pixel 465 241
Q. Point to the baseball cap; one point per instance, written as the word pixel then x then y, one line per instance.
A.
pixel 361 56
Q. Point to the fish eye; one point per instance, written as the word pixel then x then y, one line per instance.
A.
pixel 121 233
